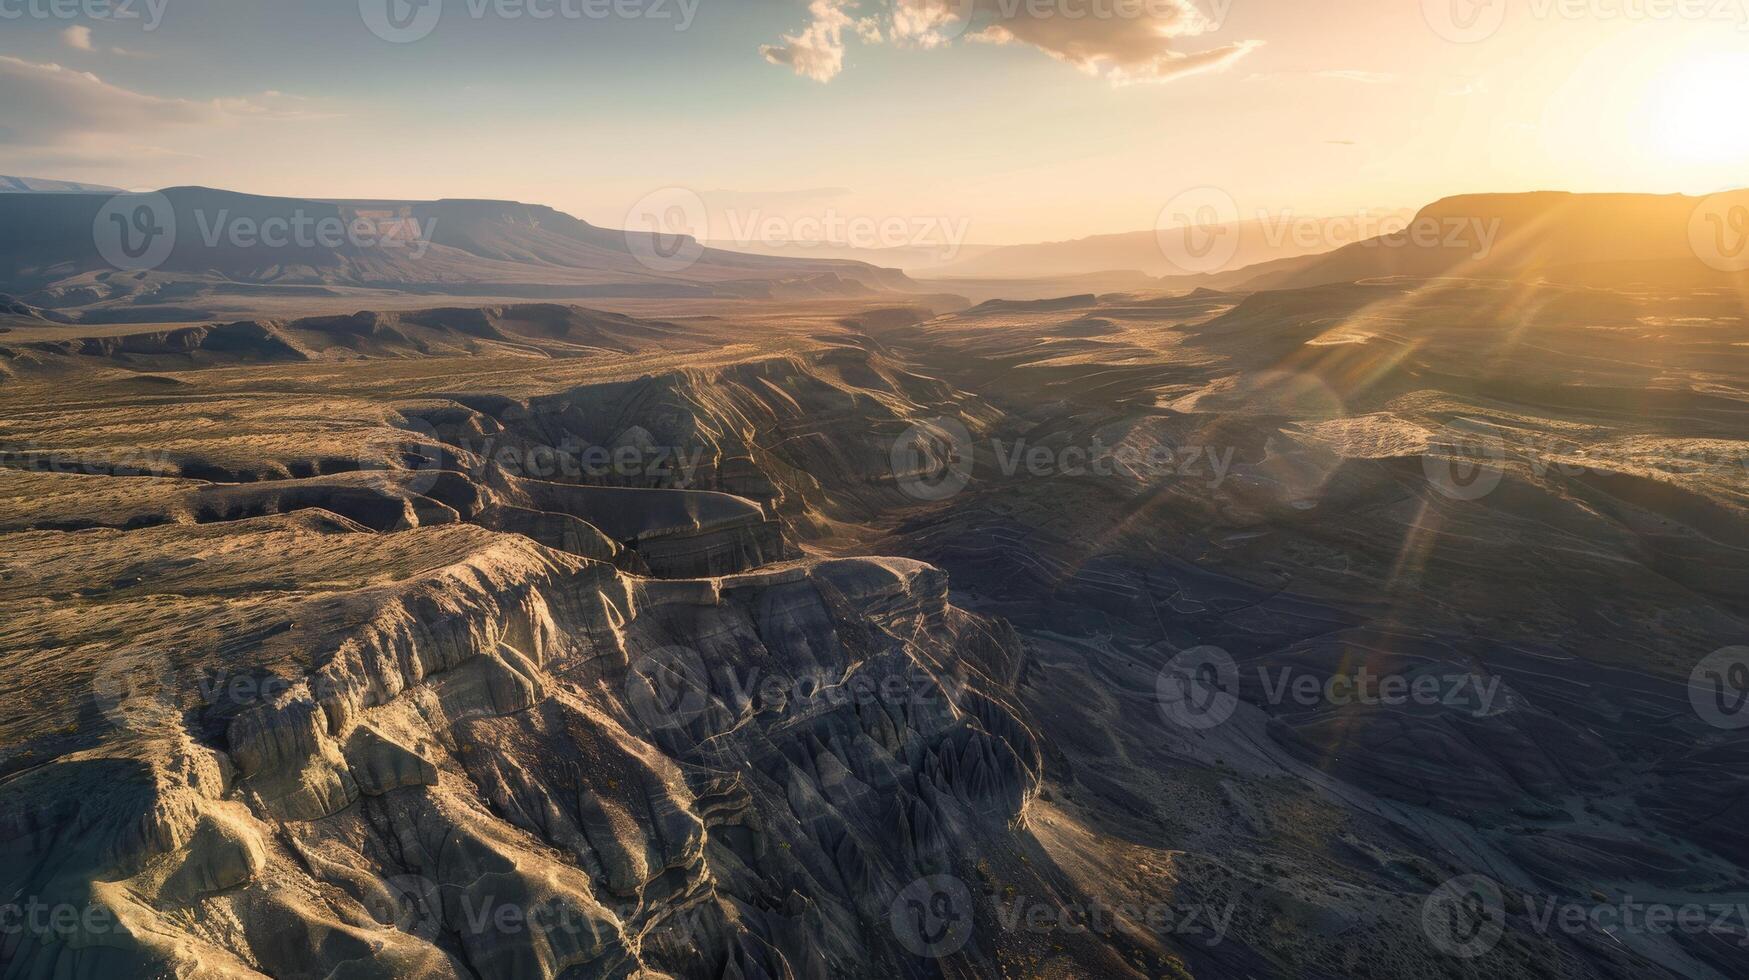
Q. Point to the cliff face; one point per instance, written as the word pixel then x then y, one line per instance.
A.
pixel 410 705
pixel 529 764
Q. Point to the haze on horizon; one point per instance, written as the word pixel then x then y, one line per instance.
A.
pixel 1025 124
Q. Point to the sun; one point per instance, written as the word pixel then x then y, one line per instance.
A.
pixel 1700 111
pixel 1661 108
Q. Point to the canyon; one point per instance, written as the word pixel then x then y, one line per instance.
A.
pixel 843 635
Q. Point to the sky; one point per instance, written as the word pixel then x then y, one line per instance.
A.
pixel 1023 123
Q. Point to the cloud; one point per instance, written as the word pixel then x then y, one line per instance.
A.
pixel 77 37
pixel 1122 41
pixel 59 113
pixel 818 51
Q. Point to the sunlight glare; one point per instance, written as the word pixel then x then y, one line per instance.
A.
pixel 1702 111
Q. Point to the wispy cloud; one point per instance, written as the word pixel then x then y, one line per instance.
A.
pixel 59 113
pixel 1129 43
pixel 78 37
pixel 817 52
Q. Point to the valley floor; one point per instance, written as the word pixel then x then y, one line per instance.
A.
pixel 1337 632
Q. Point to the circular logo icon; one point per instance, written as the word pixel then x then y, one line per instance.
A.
pixel 1199 688
pixel 135 689
pixel 1464 21
pixel 668 687
pixel 411 449
pixel 1465 917
pixel 1718 232
pixel 932 460
pixel 1469 468
pixel 932 916
pixel 135 232
pixel 1719 688
pixel 1198 230
pixel 401 21
pixel 929 23
pixel 408 903
pixel 666 229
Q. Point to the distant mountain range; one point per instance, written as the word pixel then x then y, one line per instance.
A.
pixel 40 185
pixel 1583 239
pixel 1156 253
pixel 74 249
pixel 911 258
pixel 1139 252
pixel 62 252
